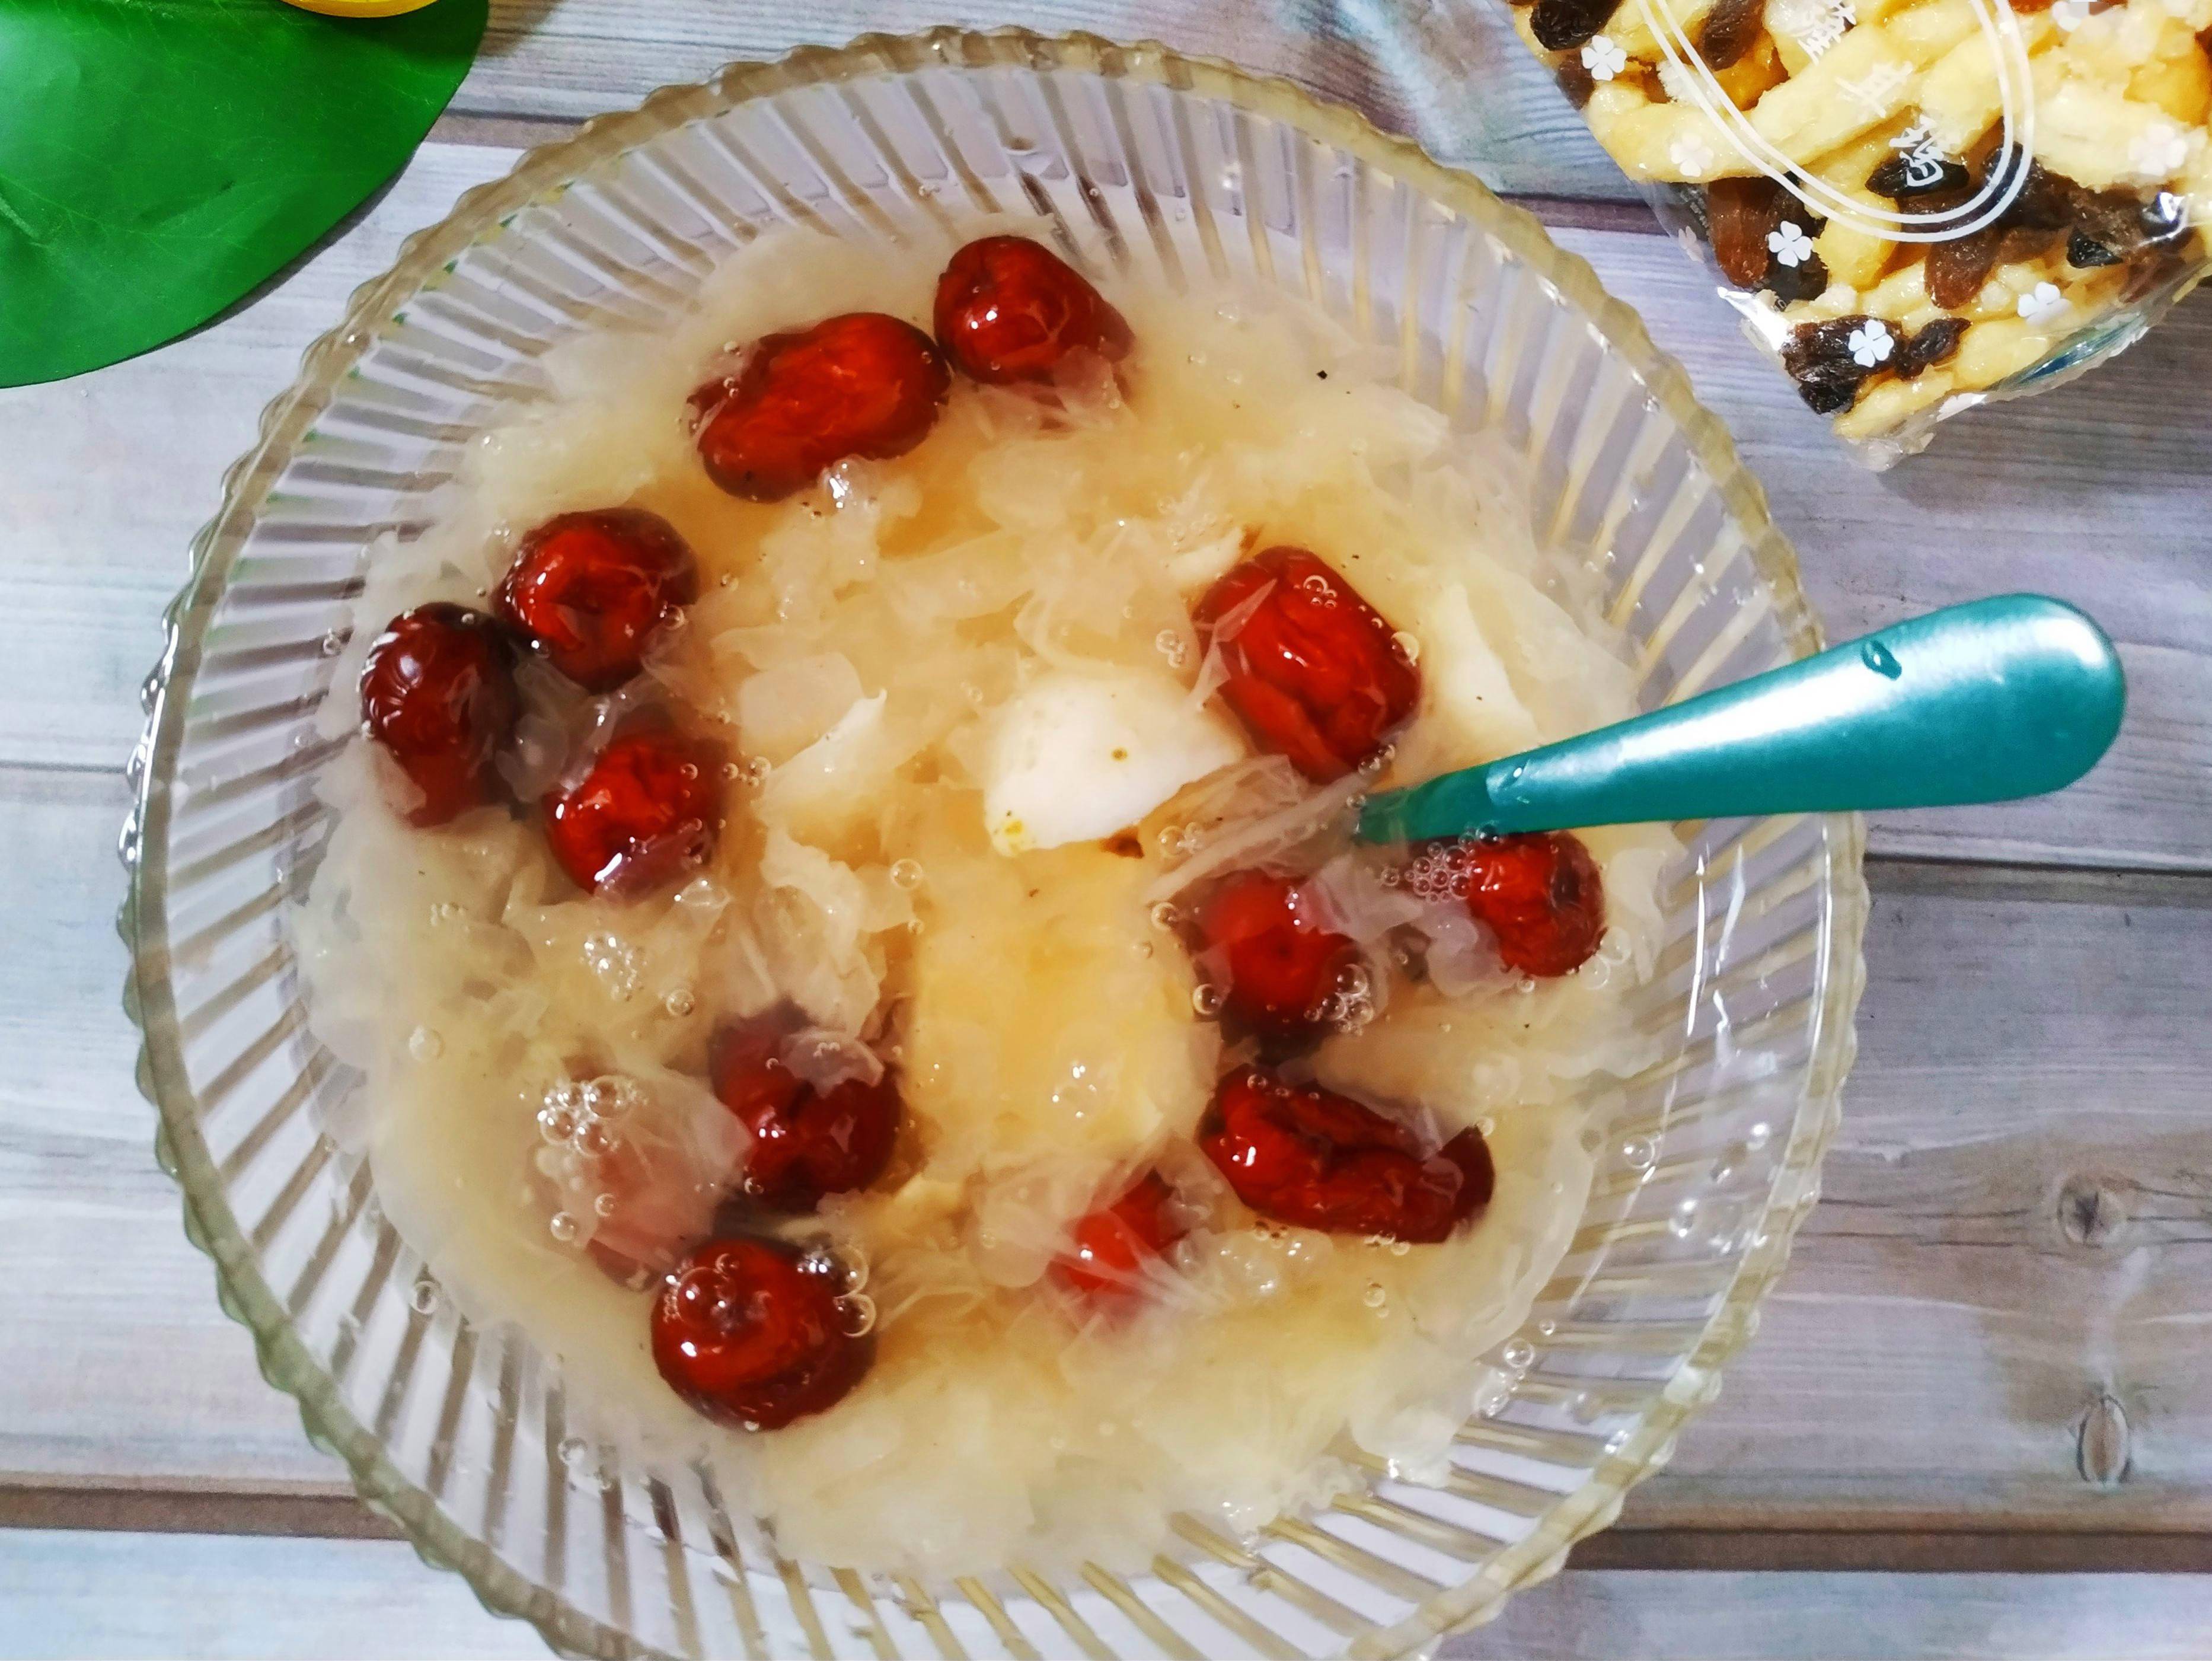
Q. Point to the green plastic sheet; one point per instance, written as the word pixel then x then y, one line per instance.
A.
pixel 159 158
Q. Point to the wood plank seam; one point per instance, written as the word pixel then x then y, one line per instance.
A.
pixel 1846 1547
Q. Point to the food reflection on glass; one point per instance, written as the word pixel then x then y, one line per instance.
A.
pixel 845 903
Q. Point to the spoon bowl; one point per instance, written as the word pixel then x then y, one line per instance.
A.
pixel 1989 700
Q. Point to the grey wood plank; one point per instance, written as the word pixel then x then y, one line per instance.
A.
pixel 1926 1362
pixel 68 1594
pixel 149 1506
pixel 2094 492
pixel 150 1378
pixel 65 1594
pixel 2011 1228
pixel 1847 1617
pixel 107 476
pixel 1447 72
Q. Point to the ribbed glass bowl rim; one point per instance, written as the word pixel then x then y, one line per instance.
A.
pixel 285 1361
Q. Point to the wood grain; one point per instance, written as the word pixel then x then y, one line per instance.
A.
pixel 1412 66
pixel 65 1595
pixel 80 1190
pixel 2092 492
pixel 1991 1350
pixel 141 1505
pixel 1924 1364
pixel 79 1595
pixel 1942 1329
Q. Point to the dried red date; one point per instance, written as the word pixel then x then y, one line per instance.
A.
pixel 1540 894
pixel 1308 1156
pixel 806 1142
pixel 1010 310
pixel 1277 964
pixel 861 384
pixel 594 592
pixel 751 1335
pixel 1110 1248
pixel 647 809
pixel 1313 671
pixel 437 695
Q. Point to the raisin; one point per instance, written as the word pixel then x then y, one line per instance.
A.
pixel 1829 399
pixel 1563 25
pixel 2084 252
pixel 1958 269
pixel 1728 30
pixel 2021 243
pixel 1911 178
pixel 1313 671
pixel 2109 223
pixel 1938 343
pixel 2150 269
pixel 1790 283
pixel 2046 199
pixel 1741 214
pixel 750 1334
pixel 1819 359
pixel 1576 81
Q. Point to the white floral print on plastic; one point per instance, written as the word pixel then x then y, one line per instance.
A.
pixel 2012 188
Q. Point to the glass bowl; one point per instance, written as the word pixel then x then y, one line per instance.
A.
pixel 1162 164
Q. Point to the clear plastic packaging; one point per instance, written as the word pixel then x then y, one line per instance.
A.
pixel 1916 205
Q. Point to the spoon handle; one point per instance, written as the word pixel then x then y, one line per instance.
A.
pixel 1998 698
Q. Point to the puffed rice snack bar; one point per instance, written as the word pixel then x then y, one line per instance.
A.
pixel 2034 258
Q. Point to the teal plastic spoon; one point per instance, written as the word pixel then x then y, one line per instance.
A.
pixel 1986 702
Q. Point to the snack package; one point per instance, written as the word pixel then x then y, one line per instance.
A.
pixel 1917 205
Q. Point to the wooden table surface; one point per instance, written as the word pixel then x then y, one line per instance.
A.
pixel 1978 1419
